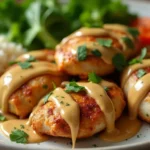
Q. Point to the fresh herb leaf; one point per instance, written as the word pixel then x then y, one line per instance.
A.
pixel 61 102
pixel 133 31
pixel 119 61
pixel 67 104
pixel 73 87
pixel 143 53
pixel 94 145
pixel 128 41
pixel 31 59
pixel 94 78
pixel 96 52
pixel 47 97
pixel 54 85
pixel 106 88
pixel 45 86
pixel 12 63
pixel 22 126
pixel 141 73
pixel 19 136
pixel 139 60
pixel 25 65
pixel 2 118
pixel 105 42
pixel 82 52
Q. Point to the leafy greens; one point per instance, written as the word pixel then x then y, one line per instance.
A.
pixel 43 23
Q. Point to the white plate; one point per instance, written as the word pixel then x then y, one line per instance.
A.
pixel 139 141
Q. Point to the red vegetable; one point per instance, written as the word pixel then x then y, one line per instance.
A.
pixel 143 24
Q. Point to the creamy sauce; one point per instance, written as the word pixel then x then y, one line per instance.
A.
pixel 103 101
pixel 39 55
pixel 139 88
pixel 8 126
pixel 129 70
pixel 107 31
pixel 69 110
pixel 125 129
pixel 107 54
pixel 16 77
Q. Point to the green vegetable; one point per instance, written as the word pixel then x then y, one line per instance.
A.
pixel 74 87
pixel 12 63
pixel 105 42
pixel 54 85
pixel 22 126
pixel 19 136
pixel 94 78
pixel 67 104
pixel 25 65
pixel 106 88
pixel 31 59
pixel 133 31
pixel 45 86
pixel 2 118
pixel 82 52
pixel 119 61
pixel 139 60
pixel 128 41
pixel 96 52
pixel 141 73
pixel 47 97
pixel 43 23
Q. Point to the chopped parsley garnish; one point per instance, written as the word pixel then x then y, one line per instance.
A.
pixel 128 41
pixel 96 52
pixel 119 61
pixel 61 102
pixel 47 97
pixel 67 104
pixel 45 86
pixel 12 63
pixel 94 145
pixel 74 87
pixel 133 31
pixel 31 59
pixel 19 136
pixel 141 73
pixel 106 88
pixel 139 60
pixel 93 77
pixel 25 65
pixel 2 118
pixel 105 42
pixel 82 52
pixel 54 85
pixel 22 126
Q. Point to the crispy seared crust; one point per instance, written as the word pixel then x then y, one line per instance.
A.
pixel 47 120
pixel 67 61
pixel 28 95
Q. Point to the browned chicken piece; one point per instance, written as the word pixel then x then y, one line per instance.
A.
pixel 24 99
pixel 135 81
pixel 33 87
pixel 92 50
pixel 47 119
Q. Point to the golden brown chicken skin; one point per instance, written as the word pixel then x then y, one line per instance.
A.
pixel 24 99
pixel 47 119
pixel 67 52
